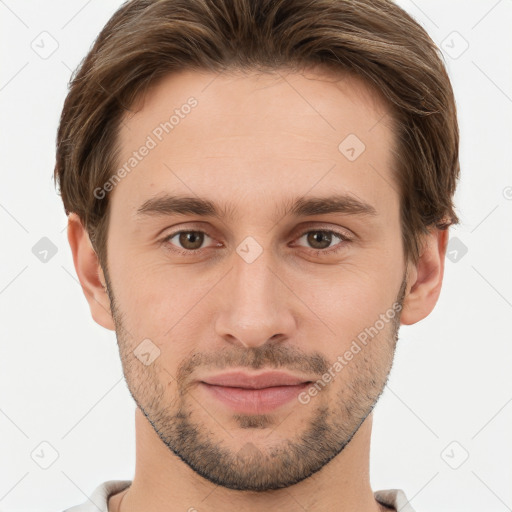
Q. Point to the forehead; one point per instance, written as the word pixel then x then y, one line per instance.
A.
pixel 256 137
pixel 336 102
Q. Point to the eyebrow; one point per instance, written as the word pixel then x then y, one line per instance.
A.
pixel 167 205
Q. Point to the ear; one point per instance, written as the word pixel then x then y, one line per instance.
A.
pixel 89 272
pixel 425 278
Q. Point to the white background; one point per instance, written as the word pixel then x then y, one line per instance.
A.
pixel 60 375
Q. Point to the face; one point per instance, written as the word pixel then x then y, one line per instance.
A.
pixel 257 319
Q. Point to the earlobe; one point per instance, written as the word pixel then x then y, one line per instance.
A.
pixel 426 278
pixel 89 272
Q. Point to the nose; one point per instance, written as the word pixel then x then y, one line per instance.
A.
pixel 255 305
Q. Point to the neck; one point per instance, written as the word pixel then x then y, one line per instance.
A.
pixel 163 482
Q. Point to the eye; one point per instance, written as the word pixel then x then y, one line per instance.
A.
pixel 190 242
pixel 321 239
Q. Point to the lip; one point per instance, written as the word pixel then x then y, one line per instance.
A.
pixel 254 381
pixel 254 393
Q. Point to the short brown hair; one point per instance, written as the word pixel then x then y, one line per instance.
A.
pixel 373 39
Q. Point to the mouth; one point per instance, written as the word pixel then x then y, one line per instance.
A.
pixel 254 393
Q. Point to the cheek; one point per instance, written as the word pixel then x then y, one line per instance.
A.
pixel 160 302
pixel 349 304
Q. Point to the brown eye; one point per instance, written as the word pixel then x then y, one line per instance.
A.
pixel 319 239
pixel 187 241
pixel 191 239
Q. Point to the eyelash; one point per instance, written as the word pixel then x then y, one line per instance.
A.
pixel 317 252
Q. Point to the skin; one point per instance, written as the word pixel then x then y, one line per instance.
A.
pixel 256 141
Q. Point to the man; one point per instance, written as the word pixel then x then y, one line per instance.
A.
pixel 258 196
